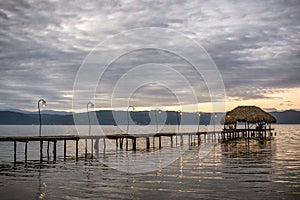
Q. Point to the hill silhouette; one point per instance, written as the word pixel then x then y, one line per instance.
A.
pixel 106 117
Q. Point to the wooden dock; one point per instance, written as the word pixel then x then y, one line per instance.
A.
pixel 224 135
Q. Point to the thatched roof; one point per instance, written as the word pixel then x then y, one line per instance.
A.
pixel 251 114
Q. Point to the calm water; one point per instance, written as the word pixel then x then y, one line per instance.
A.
pixel 236 170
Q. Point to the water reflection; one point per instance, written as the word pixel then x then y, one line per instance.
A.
pixel 252 149
pixel 248 157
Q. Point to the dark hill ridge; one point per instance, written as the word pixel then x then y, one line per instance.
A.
pixel 106 117
pixel 287 117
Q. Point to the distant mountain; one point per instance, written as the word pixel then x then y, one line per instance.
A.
pixel 287 117
pixel 49 112
pixel 8 117
pixel 106 117
pixel 54 112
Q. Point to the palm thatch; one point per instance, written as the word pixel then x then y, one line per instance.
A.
pixel 250 114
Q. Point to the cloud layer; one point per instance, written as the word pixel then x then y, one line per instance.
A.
pixel 255 45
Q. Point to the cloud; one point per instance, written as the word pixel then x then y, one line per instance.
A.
pixel 255 44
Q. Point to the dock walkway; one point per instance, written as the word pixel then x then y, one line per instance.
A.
pixel 224 135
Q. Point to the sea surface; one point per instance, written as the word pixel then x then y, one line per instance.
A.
pixel 239 169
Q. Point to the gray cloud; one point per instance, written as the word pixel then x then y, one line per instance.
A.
pixel 255 44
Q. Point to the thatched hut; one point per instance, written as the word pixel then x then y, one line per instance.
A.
pixel 250 115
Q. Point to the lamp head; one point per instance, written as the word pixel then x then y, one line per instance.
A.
pixel 44 103
pixel 133 108
pixel 90 104
pixel 158 110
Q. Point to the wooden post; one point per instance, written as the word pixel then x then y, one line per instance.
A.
pixel 159 141
pixel 97 148
pixel 26 151
pixel 48 146
pixel 171 137
pixel 153 142
pixel 181 139
pixel 65 149
pixel 126 144
pixel 198 134
pixel 41 151
pixel 147 142
pixel 134 144
pixel 104 144
pixel 15 151
pixel 121 143
pixel 76 156
pixel 85 155
pixel 54 150
pixel 92 148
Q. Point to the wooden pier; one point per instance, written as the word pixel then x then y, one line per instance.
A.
pixel 225 135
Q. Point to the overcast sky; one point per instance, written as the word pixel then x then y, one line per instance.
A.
pixel 254 44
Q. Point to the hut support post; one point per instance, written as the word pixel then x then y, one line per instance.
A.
pixel 159 142
pixel 147 142
pixel 134 144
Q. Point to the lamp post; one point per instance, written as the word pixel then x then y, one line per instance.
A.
pixel 179 113
pixel 157 111
pixel 215 116
pixel 133 109
pixel 87 110
pixel 199 114
pixel 44 104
